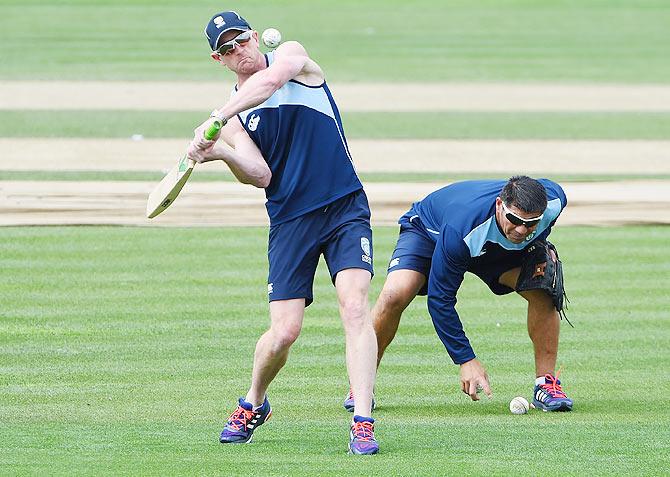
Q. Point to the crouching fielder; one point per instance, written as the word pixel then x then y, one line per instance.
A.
pixel 497 230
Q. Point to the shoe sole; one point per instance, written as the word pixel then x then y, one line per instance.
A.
pixel 563 407
pixel 352 452
pixel 238 442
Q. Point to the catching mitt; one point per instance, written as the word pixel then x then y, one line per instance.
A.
pixel 542 270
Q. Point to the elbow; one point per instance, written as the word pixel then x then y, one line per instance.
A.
pixel 264 181
pixel 261 181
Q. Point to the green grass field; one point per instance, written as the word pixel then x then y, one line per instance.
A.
pixel 424 40
pixel 124 349
pixel 366 125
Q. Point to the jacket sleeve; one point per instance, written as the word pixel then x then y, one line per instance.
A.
pixel 450 261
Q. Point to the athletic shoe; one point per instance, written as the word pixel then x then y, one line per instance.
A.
pixel 550 396
pixel 349 402
pixel 362 436
pixel 244 421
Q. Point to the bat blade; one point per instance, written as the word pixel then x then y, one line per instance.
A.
pixel 169 188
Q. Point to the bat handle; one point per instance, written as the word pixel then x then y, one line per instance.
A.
pixel 213 130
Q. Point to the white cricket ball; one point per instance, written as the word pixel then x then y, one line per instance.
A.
pixel 271 38
pixel 519 405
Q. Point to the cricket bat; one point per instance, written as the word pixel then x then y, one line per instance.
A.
pixel 169 188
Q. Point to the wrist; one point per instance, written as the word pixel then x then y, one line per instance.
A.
pixel 217 114
pixel 468 362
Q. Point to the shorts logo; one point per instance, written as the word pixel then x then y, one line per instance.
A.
pixel 365 245
pixel 394 262
pixel 253 122
pixel 219 22
pixel 269 288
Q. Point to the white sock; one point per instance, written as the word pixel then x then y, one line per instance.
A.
pixel 539 381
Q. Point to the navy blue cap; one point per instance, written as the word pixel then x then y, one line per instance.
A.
pixel 221 23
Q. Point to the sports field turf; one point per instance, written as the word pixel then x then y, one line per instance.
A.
pixel 124 349
pixel 369 125
pixel 424 40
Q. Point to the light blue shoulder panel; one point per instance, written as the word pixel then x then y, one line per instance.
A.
pixel 489 232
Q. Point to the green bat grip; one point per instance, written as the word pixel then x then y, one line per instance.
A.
pixel 213 130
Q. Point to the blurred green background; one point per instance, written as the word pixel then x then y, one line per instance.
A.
pixel 425 40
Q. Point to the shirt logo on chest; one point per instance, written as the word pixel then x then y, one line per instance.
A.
pixel 253 122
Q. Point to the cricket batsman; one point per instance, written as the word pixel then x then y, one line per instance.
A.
pixel 283 132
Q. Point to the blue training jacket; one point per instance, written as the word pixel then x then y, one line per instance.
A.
pixel 460 218
pixel 299 132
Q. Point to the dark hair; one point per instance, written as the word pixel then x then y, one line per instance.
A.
pixel 525 193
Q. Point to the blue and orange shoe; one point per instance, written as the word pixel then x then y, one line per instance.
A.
pixel 244 421
pixel 362 436
pixel 349 402
pixel 550 396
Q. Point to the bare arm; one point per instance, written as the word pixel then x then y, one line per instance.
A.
pixel 291 60
pixel 244 159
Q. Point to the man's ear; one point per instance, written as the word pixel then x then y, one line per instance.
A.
pixel 215 56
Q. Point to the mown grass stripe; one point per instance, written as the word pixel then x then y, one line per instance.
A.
pixel 359 125
pixel 567 40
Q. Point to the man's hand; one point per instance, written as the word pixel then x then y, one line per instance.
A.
pixel 199 140
pixel 473 376
pixel 200 147
pixel 200 155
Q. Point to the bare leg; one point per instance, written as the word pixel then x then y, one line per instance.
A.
pixel 543 324
pixel 543 329
pixel 272 348
pixel 352 293
pixel 400 288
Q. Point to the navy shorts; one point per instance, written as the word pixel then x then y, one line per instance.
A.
pixel 340 231
pixel 414 251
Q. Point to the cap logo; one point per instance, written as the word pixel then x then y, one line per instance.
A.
pixel 219 22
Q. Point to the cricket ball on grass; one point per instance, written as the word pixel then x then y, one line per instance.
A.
pixel 519 405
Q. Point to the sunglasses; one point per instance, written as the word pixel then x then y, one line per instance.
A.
pixel 516 220
pixel 240 39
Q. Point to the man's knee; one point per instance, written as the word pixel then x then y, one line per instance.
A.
pixel 538 299
pixel 510 278
pixel 400 289
pixel 354 310
pixel 283 337
pixel 286 322
pixel 393 301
